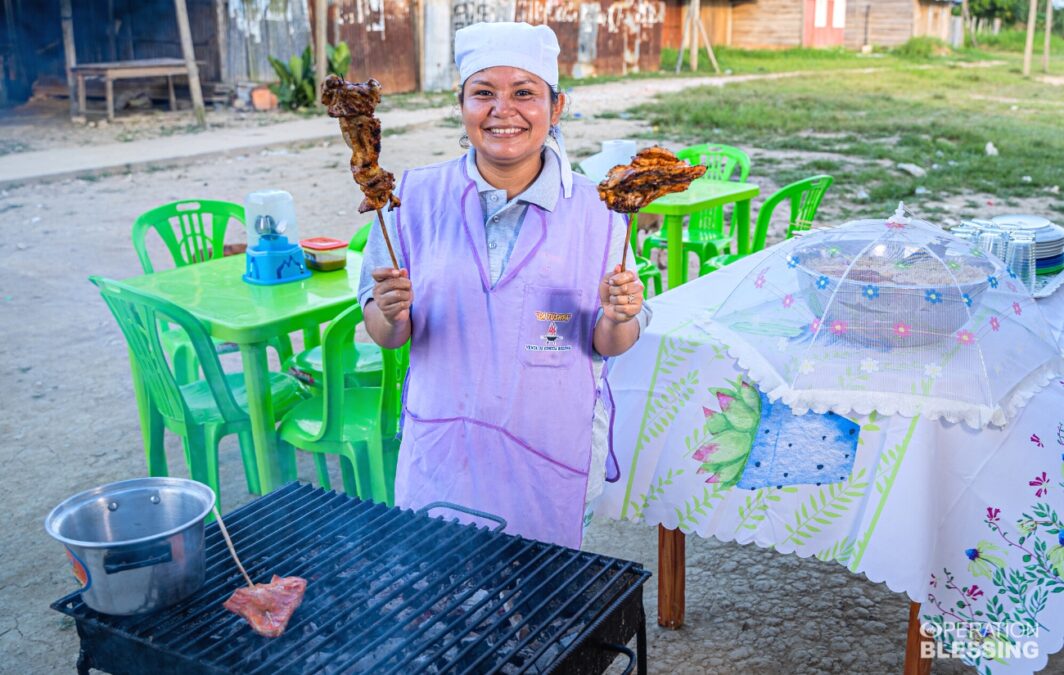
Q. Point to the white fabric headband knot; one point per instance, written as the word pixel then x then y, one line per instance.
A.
pixel 518 45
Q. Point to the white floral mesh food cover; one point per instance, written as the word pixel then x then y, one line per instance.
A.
pixel 895 316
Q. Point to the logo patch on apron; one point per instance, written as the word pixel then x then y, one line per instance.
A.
pixel 552 339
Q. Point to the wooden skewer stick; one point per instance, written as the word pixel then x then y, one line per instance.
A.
pixel 387 240
pixel 229 543
pixel 627 241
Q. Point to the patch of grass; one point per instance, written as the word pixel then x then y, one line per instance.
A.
pixel 921 48
pixel 897 115
pixel 417 100
pixel 1014 40
pixel 395 131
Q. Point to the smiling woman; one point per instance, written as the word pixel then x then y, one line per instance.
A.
pixel 508 300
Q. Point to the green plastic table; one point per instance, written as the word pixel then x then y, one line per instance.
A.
pixel 248 315
pixel 702 195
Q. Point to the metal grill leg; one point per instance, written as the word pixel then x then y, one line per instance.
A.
pixel 641 642
pixel 84 662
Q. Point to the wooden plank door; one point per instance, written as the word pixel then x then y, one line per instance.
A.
pixel 824 23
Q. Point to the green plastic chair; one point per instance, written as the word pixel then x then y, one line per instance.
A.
pixel 193 231
pixel 705 235
pixel 804 196
pixel 358 242
pixel 362 360
pixel 201 412
pixel 351 422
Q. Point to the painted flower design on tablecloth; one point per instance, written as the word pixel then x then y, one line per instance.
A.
pixel 973 592
pixel 967 299
pixel 993 514
pixel 992 280
pixel 838 327
pixel 759 282
pixel 894 225
pixel 806 367
pixel 965 337
pixel 933 296
pixel 981 559
pixel 902 329
pixel 871 291
pixel 1056 555
pixel 815 326
pixel 792 261
pixel 783 344
pixel 1041 485
pixel 1017 309
pixel 932 370
pixel 953 265
pixel 1012 287
pixel 788 300
pixel 1012 275
pixel 870 365
pixel 822 282
pixel 995 324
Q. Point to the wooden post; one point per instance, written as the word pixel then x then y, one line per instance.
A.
pixel 66 18
pixel 915 661
pixel 1028 48
pixel 320 56
pixel 671 571
pixel 189 53
pixel 709 46
pixel 222 38
pixel 683 42
pixel 694 12
pixel 966 24
pixel 1049 36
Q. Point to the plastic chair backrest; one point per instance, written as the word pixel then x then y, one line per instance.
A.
pixel 392 398
pixel 338 333
pixel 138 317
pixel 805 197
pixel 720 160
pixel 193 230
pixel 358 242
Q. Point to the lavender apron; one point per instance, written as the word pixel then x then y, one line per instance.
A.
pixel 500 394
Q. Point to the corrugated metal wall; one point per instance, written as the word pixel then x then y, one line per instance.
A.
pixel 261 28
pixel 382 36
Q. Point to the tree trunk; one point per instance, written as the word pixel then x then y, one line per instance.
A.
pixel 1028 48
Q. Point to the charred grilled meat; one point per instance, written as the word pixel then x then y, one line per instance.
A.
pixel 353 103
pixel 653 172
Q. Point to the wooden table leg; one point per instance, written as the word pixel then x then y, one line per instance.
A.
pixel 677 259
pixel 671 572
pixel 170 86
pixel 81 94
pixel 109 85
pixel 919 648
pixel 260 409
pixel 741 220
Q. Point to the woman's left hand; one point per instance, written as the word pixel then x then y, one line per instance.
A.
pixel 621 294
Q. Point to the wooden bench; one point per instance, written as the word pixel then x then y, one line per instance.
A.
pixel 122 70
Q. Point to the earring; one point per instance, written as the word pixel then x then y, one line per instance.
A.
pixel 463 142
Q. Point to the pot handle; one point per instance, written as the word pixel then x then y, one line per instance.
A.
pixel 144 555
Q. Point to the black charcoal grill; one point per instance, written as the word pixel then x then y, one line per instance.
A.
pixel 389 591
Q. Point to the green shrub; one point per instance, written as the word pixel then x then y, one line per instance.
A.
pixel 295 88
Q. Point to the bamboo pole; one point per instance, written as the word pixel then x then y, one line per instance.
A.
pixel 1049 36
pixel 189 54
pixel 70 56
pixel 320 40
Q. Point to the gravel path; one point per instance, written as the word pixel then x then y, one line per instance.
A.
pixel 68 423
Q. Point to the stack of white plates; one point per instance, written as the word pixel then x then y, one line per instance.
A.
pixel 1048 239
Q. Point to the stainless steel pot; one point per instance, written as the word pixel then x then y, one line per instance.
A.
pixel 136 545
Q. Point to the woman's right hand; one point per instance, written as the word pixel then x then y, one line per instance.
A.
pixel 393 294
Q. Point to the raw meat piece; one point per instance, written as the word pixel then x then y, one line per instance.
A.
pixel 268 607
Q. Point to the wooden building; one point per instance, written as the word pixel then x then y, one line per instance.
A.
pixel 781 24
pixel 406 44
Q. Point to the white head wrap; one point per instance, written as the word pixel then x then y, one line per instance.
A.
pixel 518 45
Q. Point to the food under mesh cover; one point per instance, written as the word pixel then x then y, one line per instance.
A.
pixel 890 315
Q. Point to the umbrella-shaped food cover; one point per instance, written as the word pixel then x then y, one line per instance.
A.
pixel 895 316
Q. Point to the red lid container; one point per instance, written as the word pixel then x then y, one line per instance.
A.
pixel 322 243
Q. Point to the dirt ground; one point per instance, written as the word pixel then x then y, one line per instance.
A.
pixel 68 423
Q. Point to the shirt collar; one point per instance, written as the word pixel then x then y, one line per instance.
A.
pixel 543 192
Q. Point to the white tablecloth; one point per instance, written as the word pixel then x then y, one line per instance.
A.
pixel 969 524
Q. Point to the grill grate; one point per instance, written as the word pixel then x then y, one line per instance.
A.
pixel 389 591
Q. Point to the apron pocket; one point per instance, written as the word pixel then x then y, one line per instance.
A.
pixel 551 332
